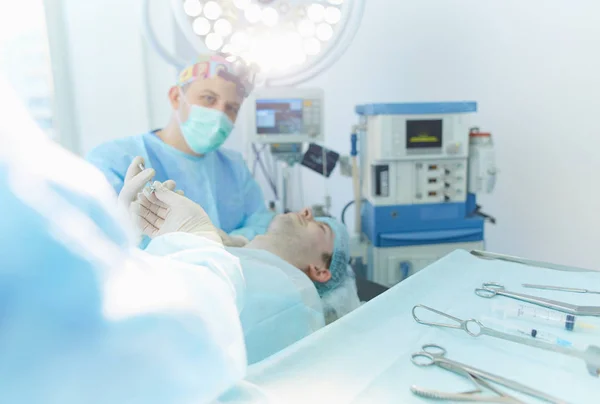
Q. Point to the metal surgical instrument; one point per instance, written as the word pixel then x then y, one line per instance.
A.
pixel 149 185
pixel 591 356
pixel 559 288
pixel 523 261
pixel 491 289
pixel 433 354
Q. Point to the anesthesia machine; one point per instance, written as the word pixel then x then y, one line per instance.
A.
pixel 421 166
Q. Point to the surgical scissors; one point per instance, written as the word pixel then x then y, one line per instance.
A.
pixel 591 355
pixel 491 289
pixel 433 354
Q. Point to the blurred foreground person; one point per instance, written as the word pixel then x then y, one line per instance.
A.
pixel 86 316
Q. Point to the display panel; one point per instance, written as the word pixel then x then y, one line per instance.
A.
pixel 279 116
pixel 424 134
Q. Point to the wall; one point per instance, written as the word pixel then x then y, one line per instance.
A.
pixel 111 68
pixel 533 66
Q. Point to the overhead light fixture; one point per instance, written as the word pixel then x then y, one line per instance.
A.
pixel 241 39
pixel 316 12
pixel 253 13
pixel 214 41
pixel 270 16
pixel 201 26
pixel 289 39
pixel 312 46
pixel 212 10
pixel 193 8
pixel 324 32
pixel 241 4
pixel 306 28
pixel 223 27
pixel 333 15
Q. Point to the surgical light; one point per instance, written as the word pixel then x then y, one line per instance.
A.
pixel 201 26
pixel 291 41
pixel 270 16
pixel 241 4
pixel 212 10
pixel 316 12
pixel 223 27
pixel 299 57
pixel 312 46
pixel 253 13
pixel 240 38
pixel 214 41
pixel 306 28
pixel 324 32
pixel 193 8
pixel 333 15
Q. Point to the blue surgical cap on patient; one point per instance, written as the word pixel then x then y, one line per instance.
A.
pixel 340 257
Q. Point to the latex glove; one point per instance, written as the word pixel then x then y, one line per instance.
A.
pixel 233 241
pixel 164 211
pixel 135 181
pixel 171 185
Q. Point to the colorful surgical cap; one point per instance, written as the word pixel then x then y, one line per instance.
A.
pixel 229 67
pixel 340 257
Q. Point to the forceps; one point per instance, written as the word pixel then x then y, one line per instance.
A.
pixel 491 289
pixel 433 354
pixel 591 355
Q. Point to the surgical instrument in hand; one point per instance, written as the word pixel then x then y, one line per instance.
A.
pixel 491 289
pixel 591 356
pixel 559 288
pixel 433 354
pixel 149 185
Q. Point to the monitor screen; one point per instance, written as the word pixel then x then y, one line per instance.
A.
pixel 424 134
pixel 279 116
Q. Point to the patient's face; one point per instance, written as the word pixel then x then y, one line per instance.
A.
pixel 308 238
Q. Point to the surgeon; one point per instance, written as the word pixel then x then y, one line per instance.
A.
pixel 205 102
pixel 291 272
pixel 87 317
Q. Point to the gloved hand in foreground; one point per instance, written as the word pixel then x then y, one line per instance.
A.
pixel 164 211
pixel 135 181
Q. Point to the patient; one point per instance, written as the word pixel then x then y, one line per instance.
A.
pixel 290 272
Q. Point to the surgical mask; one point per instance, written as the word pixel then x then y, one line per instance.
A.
pixel 206 129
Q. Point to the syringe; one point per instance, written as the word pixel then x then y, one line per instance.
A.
pixel 149 185
pixel 505 326
pixel 539 314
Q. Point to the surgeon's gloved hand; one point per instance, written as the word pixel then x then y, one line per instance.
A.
pixel 232 241
pixel 171 185
pixel 164 211
pixel 135 181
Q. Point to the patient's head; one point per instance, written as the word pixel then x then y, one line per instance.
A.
pixel 317 246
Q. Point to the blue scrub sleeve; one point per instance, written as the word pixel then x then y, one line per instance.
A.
pixel 112 170
pixel 256 216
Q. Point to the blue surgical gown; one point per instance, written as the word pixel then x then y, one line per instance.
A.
pixel 220 181
pixel 87 318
